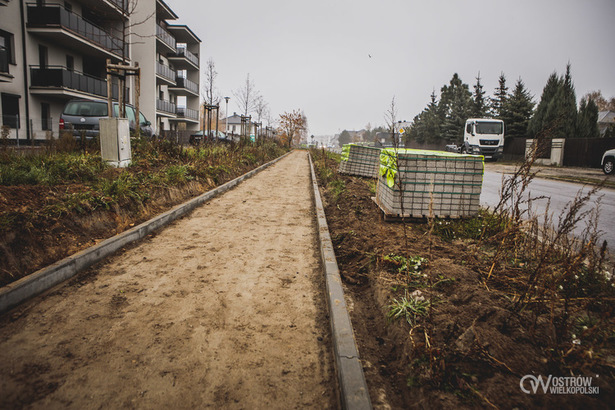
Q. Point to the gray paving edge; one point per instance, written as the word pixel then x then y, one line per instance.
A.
pixel 44 279
pixel 353 387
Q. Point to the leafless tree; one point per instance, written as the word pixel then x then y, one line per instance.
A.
pixel 209 93
pixel 390 118
pixel 247 97
pixel 261 109
pixel 293 127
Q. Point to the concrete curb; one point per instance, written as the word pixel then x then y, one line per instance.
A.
pixel 353 387
pixel 42 280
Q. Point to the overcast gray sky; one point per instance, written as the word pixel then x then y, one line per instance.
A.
pixel 314 55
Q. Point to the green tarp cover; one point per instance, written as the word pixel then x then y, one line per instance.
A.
pixel 345 152
pixel 388 159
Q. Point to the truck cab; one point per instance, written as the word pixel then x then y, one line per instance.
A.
pixel 484 136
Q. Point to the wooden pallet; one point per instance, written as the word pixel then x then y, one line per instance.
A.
pixel 387 217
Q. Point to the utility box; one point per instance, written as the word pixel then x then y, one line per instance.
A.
pixel 115 141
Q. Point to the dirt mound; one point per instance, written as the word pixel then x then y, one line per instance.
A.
pixel 471 350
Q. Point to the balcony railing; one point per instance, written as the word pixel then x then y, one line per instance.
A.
pixel 165 37
pixel 187 84
pixel 61 77
pixel 165 106
pixel 57 16
pixel 4 60
pixel 121 4
pixel 184 112
pixel 183 52
pixel 165 71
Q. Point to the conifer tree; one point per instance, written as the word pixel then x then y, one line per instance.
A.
pixel 517 111
pixel 567 107
pixel 479 105
pixel 456 106
pixel 426 125
pixel 587 122
pixel 544 112
pixel 557 109
pixel 499 97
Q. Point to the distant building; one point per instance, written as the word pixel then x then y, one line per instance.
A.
pixel 52 51
pixel 234 125
pixel 606 119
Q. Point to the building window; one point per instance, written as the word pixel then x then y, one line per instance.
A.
pixel 43 56
pixel 7 50
pixel 70 63
pixel 45 117
pixel 68 7
pixel 10 110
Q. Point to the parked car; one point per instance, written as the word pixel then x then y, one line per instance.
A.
pixel 81 116
pixel 452 148
pixel 608 161
pixel 197 137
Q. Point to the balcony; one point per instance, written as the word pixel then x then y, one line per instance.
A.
pixel 166 107
pixel 122 5
pixel 166 40
pixel 184 113
pixel 184 59
pixel 165 73
pixel 185 87
pixel 72 31
pixel 57 80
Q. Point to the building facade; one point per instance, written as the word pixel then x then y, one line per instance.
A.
pixel 52 51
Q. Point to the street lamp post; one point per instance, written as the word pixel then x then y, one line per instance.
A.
pixel 226 121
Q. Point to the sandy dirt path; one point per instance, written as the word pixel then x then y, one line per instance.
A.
pixel 225 309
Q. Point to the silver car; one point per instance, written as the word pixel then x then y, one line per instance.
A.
pixel 608 161
pixel 81 117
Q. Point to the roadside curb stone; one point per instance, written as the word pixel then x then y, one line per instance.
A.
pixel 353 387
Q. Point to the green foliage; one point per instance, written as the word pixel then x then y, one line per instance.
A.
pixel 54 169
pixel 479 104
pixel 126 187
pixel 500 96
pixel 516 111
pixel 412 265
pixel 408 307
pixel 344 138
pixel 178 174
pixel 426 127
pixel 156 164
pixel 587 123
pixel 338 187
pixel 483 225
pixel 456 106
pixel 557 109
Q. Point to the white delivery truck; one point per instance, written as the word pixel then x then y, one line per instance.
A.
pixel 484 136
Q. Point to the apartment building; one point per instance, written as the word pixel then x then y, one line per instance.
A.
pixel 170 86
pixel 52 51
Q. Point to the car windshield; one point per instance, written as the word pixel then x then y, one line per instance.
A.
pixel 484 127
pixel 86 109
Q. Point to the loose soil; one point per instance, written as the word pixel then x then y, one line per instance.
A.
pixel 476 350
pixel 224 309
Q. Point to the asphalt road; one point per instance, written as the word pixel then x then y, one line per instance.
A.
pixel 560 194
